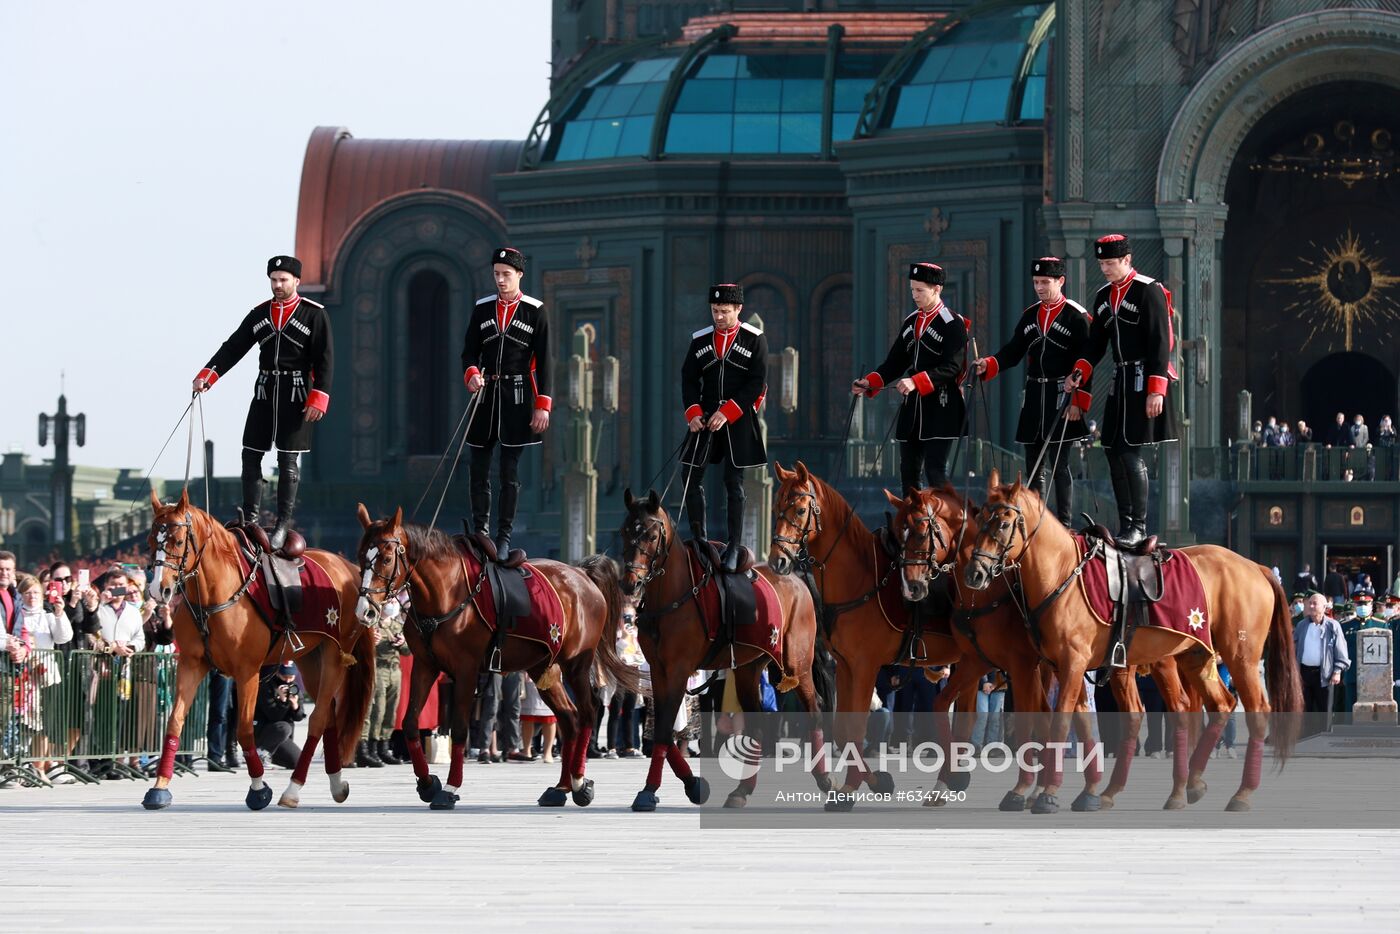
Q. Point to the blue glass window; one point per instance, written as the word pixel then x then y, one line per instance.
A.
pixel 614 114
pixel 968 75
pixel 751 103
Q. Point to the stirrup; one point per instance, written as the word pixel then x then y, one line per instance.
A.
pixel 493 661
pixel 1119 658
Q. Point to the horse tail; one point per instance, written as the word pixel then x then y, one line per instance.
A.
pixel 1282 676
pixel 602 571
pixel 356 692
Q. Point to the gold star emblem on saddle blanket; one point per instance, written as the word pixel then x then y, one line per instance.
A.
pixel 1195 619
pixel 333 618
pixel 555 633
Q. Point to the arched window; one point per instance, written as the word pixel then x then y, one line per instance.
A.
pixel 428 363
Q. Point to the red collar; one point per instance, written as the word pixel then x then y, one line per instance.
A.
pixel 925 317
pixel 1048 313
pixel 505 310
pixel 724 339
pixel 1116 290
pixel 280 312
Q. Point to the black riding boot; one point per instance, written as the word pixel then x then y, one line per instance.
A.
pixel 1064 492
pixel 695 508
pixel 288 478
pixel 1122 494
pixel 730 558
pixel 252 485
pixel 505 517
pixel 1136 469
pixel 481 490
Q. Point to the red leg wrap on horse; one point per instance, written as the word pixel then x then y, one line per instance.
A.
pixel 1253 764
pixel 658 759
pixel 1093 765
pixel 415 753
pixel 1053 771
pixel 678 763
pixel 454 771
pixel 1025 775
pixel 566 756
pixel 580 751
pixel 255 766
pixel 1200 757
pixel 304 760
pixel 855 774
pixel 330 742
pixel 1127 748
pixel 167 756
pixel 819 744
pixel 1180 762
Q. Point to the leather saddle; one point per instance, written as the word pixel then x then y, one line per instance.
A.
pixel 1145 547
pixel 738 604
pixel 281 570
pixel 1135 582
pixel 509 591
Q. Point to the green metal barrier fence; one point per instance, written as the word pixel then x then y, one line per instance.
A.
pixel 77 712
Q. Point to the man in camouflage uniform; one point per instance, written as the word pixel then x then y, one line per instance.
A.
pixel 379 724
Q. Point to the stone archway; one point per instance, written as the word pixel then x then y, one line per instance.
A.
pixel 1245 84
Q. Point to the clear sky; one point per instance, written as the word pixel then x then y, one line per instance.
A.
pixel 150 160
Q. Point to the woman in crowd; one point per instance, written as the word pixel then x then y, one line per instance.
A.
pixel 48 628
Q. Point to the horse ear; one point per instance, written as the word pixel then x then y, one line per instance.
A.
pixel 184 502
pixel 895 501
pixel 993 481
pixel 363 513
pixel 782 474
pixel 802 472
pixel 155 501
pixel 628 499
pixel 398 518
pixel 653 499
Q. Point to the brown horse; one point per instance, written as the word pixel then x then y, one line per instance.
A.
pixel 1248 619
pixel 989 627
pixel 817 533
pixel 674 638
pixel 217 624
pixel 446 633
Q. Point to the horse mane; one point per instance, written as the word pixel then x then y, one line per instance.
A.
pixel 833 500
pixel 431 544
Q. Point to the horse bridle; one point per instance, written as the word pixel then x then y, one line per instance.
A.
pixel 1000 565
pixel 925 557
pixel 656 560
pixel 158 559
pixel 390 545
pixel 801 559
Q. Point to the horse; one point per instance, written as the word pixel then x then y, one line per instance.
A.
pixel 1249 621
pixel 674 639
pixel 938 526
pixel 218 625
pixel 447 634
pixel 818 536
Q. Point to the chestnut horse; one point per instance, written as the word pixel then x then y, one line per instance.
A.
pixel 989 626
pixel 216 624
pixel 675 641
pixel 446 634
pixel 1248 617
pixel 816 533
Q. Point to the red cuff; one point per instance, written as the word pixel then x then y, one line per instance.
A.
pixel 992 369
pixel 1084 369
pixel 876 381
pixel 471 371
pixel 544 403
pixel 318 400
pixel 208 375
pixel 731 411
pixel 1082 400
pixel 694 412
pixel 758 403
pixel 923 383
pixel 1157 384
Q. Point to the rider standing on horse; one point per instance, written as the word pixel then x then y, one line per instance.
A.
pixel 1132 314
pixel 294 376
pixel 506 362
pixel 926 364
pixel 1052 337
pixel 723 382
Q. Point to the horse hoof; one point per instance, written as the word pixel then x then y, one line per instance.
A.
pixel 1045 803
pixel 935 800
pixel 554 798
pixel 287 801
pixel 444 800
pixel 697 790
pixel 645 801
pixel 1011 801
pixel 958 781
pixel 1195 793
pixel 881 783
pixel 1105 802
pixel 156 798
pixel 1237 804
pixel 428 788
pixel 1086 802
pixel 840 802
pixel 1174 804
pixel 258 798
pixel 339 795
pixel 737 798
pixel 583 794
pixel 824 783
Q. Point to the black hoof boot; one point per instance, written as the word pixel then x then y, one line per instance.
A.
pixel 1086 802
pixel 583 794
pixel 444 800
pixel 156 798
pixel 957 780
pixel 646 800
pixel 258 798
pixel 553 798
pixel 697 790
pixel 839 802
pixel 1046 803
pixel 882 783
pixel 1012 802
pixel 428 788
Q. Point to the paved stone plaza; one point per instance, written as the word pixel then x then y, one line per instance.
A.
pixel 88 858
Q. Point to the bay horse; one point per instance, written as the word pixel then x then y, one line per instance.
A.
pixel 818 535
pixel 675 641
pixel 1249 621
pixel 939 526
pixel 217 625
pixel 446 633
